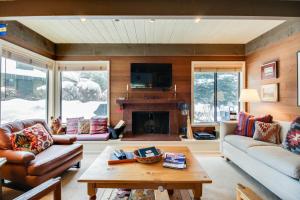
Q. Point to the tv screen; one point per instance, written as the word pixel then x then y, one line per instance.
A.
pixel 151 75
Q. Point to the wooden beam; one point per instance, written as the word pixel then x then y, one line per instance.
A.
pixel 274 8
pixel 65 50
pixel 22 36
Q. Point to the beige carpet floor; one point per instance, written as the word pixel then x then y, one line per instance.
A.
pixel 225 176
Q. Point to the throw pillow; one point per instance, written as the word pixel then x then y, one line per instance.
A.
pixel 267 132
pixel 34 139
pixel 72 125
pixel 98 125
pixel 84 126
pixel 246 123
pixel 292 141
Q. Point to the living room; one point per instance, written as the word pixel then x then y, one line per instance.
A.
pixel 214 84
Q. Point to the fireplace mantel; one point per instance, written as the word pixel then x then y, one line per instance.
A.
pixel 151 105
pixel 124 102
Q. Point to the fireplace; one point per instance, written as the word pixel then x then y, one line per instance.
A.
pixel 150 122
pixel 150 119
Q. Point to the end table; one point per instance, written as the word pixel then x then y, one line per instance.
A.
pixel 2 162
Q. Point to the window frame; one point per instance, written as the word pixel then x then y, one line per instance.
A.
pixel 89 66
pixel 7 46
pixel 213 64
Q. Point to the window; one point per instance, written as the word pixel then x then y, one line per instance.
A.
pixel 84 93
pixel 24 91
pixel 215 93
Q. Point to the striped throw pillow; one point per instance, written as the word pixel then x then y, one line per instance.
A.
pixel 246 123
pixel 98 125
pixel 72 125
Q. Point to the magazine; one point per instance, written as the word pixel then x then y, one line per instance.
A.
pixel 174 160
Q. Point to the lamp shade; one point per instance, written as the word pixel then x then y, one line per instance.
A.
pixel 249 95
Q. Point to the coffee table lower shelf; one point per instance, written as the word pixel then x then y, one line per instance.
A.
pixel 195 187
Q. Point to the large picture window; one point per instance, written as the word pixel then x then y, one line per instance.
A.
pixel 84 93
pixel 24 91
pixel 215 93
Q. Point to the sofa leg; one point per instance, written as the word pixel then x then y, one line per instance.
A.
pixel 77 165
pixel 227 159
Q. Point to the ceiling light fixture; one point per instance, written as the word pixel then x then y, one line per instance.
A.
pixel 151 20
pixel 116 20
pixel 197 20
pixel 82 19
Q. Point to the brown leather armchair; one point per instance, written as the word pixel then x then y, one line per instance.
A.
pixel 31 170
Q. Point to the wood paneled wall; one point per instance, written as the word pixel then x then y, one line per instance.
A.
pixel 120 76
pixel 285 52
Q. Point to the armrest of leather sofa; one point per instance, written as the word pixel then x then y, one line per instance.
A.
pixel 64 139
pixel 227 128
pixel 17 157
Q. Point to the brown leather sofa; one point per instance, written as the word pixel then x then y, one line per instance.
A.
pixel 31 170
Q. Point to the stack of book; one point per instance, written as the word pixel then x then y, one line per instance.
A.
pixel 174 160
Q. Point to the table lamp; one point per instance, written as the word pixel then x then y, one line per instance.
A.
pixel 249 96
pixel 185 111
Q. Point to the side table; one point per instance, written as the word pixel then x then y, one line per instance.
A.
pixel 2 162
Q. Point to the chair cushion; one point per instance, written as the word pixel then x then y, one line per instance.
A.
pixel 278 158
pixel 53 157
pixel 243 143
pixel 93 137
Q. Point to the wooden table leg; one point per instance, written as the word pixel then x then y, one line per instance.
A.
pixel 197 191
pixel 92 191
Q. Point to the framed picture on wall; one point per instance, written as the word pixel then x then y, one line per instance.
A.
pixel 269 92
pixel 269 70
pixel 298 77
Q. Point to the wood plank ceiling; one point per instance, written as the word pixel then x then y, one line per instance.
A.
pixel 159 31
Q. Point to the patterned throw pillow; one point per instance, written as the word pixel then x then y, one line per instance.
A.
pixel 292 141
pixel 84 126
pixel 267 132
pixel 98 125
pixel 34 139
pixel 72 125
pixel 246 123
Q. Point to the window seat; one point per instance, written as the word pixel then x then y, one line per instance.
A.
pixel 94 137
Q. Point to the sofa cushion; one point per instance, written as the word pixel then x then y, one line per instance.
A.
pixel 267 132
pixel 246 123
pixel 34 139
pixel 292 140
pixel 53 157
pixel 278 158
pixel 72 125
pixel 94 137
pixel 7 129
pixel 243 143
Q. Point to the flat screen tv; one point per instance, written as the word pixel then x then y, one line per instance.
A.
pixel 151 75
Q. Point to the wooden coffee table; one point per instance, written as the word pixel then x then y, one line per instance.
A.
pixel 144 176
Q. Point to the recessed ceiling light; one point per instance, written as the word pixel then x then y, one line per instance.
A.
pixel 197 20
pixel 151 20
pixel 82 19
pixel 116 20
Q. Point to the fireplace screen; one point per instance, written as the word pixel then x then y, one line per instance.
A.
pixel 150 122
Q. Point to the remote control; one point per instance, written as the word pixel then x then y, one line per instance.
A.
pixel 120 154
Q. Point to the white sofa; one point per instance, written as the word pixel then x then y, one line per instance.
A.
pixel 270 164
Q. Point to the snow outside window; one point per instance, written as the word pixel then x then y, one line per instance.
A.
pixel 84 94
pixel 23 91
pixel 215 94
